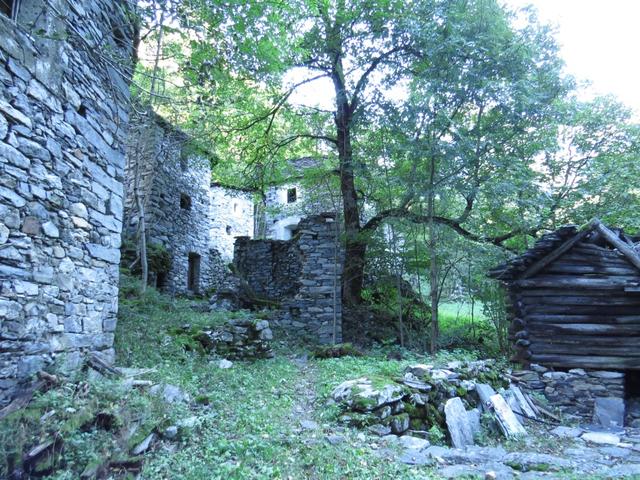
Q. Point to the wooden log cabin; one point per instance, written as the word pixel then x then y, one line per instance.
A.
pixel 575 299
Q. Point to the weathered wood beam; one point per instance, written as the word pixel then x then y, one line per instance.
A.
pixel 575 283
pixel 584 349
pixel 623 247
pixel 555 254
pixel 606 311
pixel 586 299
pixel 625 341
pixel 535 319
pixel 608 362
pixel 584 329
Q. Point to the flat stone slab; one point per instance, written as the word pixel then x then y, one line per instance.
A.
pixel 566 432
pixel 460 429
pixel 527 461
pixel 473 454
pixel 617 452
pixel 498 471
pixel 308 425
pixel 608 412
pixel 409 442
pixel 601 438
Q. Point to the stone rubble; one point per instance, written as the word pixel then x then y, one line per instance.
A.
pixel 423 398
pixel 240 339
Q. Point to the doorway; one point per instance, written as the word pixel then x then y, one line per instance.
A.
pixel 193 273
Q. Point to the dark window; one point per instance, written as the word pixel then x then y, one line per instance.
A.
pixel 292 195
pixel 193 274
pixel 7 8
pixel 185 202
pixel 228 230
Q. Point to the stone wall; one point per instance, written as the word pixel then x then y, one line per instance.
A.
pixel 174 189
pixel 272 268
pixel 231 216
pixel 304 274
pixel 574 392
pixel 63 119
pixel 286 203
pixel 195 220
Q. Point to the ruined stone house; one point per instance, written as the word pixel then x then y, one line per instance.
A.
pixel 63 117
pixel 195 220
pixel 287 202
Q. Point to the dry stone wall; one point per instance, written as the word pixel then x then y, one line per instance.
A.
pixel 303 274
pixel 575 391
pixel 63 119
pixel 193 219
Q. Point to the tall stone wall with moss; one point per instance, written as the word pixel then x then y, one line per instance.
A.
pixel 63 123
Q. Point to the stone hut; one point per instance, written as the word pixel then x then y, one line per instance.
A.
pixel 575 308
pixel 63 117
pixel 194 220
pixel 303 276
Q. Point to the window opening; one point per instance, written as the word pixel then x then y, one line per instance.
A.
pixel 228 230
pixel 185 201
pixel 292 195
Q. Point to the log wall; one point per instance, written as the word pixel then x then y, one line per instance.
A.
pixel 582 310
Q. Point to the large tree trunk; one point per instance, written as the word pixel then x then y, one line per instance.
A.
pixel 355 248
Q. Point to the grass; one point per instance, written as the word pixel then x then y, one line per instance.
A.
pixel 246 419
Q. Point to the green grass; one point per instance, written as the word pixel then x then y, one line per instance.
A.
pixel 247 417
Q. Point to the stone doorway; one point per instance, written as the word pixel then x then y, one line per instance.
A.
pixel 193 273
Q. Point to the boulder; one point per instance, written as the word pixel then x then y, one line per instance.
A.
pixel 361 395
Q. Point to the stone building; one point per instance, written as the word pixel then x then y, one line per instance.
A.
pixel 303 276
pixel 194 220
pixel 287 202
pixel 63 118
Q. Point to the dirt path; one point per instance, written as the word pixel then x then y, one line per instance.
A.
pixel 302 414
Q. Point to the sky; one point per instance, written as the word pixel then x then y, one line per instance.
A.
pixel 600 42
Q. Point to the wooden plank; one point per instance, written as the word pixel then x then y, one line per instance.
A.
pixel 557 253
pixel 572 268
pixel 524 405
pixel 573 282
pixel 507 421
pixel 585 299
pixel 584 329
pixel 535 319
pixel 625 249
pixel 604 310
pixel 561 292
pixel 626 341
pixel 589 258
pixel 598 253
pixel 584 349
pixel 578 361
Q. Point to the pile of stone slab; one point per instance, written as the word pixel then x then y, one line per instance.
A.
pixel 450 398
pixel 240 339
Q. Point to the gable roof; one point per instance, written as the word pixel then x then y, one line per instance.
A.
pixel 553 245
